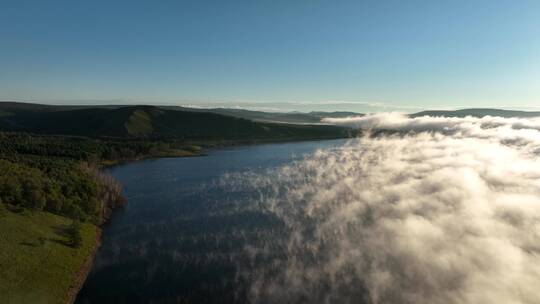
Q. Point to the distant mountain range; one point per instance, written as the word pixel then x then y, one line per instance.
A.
pixel 190 123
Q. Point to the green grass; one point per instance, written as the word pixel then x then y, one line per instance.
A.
pixel 139 123
pixel 36 263
pixel 4 113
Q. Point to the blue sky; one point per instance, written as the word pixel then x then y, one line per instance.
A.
pixel 360 55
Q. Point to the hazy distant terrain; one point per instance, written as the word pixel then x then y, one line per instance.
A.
pixel 478 113
pixel 313 117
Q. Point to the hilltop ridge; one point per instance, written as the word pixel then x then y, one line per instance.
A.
pixel 151 122
pixel 478 112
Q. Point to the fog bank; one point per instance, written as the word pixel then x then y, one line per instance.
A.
pixel 448 213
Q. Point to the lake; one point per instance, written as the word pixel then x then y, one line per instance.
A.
pixel 184 236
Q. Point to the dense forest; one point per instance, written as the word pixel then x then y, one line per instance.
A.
pixel 61 174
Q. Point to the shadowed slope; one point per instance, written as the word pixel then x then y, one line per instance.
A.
pixel 150 121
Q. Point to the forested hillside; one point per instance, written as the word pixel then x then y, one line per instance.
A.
pixel 52 196
pixel 58 175
pixel 152 122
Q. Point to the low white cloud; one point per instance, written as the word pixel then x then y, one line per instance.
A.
pixel 446 212
pixel 512 131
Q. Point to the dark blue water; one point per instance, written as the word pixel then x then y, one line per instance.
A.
pixel 181 239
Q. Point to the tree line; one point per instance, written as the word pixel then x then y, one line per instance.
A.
pixel 61 174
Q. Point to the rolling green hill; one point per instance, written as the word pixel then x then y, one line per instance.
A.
pixel 152 122
pixel 189 123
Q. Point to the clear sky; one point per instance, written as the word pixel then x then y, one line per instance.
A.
pixel 329 54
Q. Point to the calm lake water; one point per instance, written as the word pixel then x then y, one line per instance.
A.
pixel 181 239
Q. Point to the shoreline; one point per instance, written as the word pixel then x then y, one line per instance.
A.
pixel 85 270
pixel 210 146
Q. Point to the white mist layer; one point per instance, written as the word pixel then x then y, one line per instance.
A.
pixel 451 216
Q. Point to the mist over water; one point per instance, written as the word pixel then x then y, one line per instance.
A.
pixel 448 211
pixel 182 237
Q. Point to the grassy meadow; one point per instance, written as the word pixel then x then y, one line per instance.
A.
pixel 37 263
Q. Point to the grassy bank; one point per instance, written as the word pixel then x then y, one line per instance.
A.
pixel 37 263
